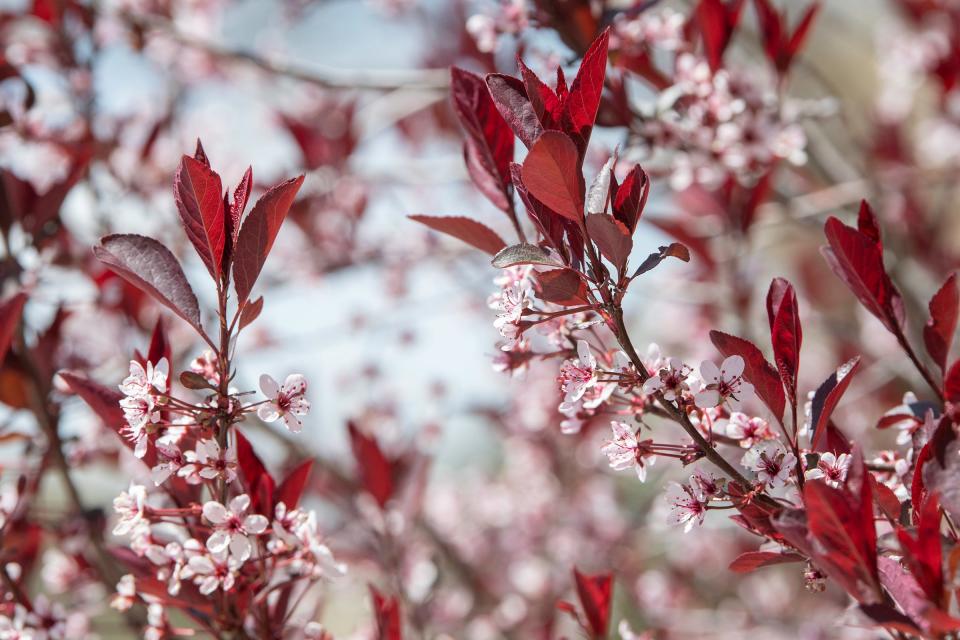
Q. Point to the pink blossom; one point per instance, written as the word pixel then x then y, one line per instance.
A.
pixel 687 506
pixel 772 462
pixel 723 384
pixel 285 402
pixel 830 467
pixel 626 451
pixel 233 527
pixel 578 376
pixel 130 505
pixel 747 430
pixel 126 594
pixel 210 462
pixel 212 571
pixel 671 380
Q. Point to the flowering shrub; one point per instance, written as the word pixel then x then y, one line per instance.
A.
pixel 646 449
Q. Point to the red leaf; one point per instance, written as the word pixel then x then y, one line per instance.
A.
pixel 291 489
pixel 200 155
pixel 780 48
pixel 757 370
pixel 612 238
pixel 470 231
pixel 717 24
pixel 581 104
pixel 251 311
pixel 841 521
pixel 159 345
pixel 510 97
pixel 562 286
pixel 786 334
pixel 148 265
pixel 544 101
pixel 951 383
pixel 10 312
pixel 938 332
pixel 258 233
pixel 631 198
pixel 886 499
pixel 825 400
pixel 551 173
pixel 922 553
pixel 387 614
pixel 240 196
pixel 595 596
pixel 199 197
pixel 672 250
pixel 376 472
pixel 858 260
pixel 489 144
pixel 258 481
pixel 753 560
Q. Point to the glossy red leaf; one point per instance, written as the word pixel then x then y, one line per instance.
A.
pixel 611 237
pixel 258 233
pixel 240 197
pixel 551 173
pixel 841 521
pixel 291 489
pixel 717 23
pixel 251 311
pixel 780 46
pixel 631 198
pixel 474 233
pixel 753 560
pixel 825 400
pixel 199 196
pixel 10 312
pixel 542 98
pixel 786 334
pixel 159 345
pixel 489 144
pixel 259 484
pixel 938 332
pixel 922 553
pixel 951 383
pixel 376 471
pixel 595 593
pixel 757 371
pixel 510 97
pixel 151 267
pixel 200 155
pixel 581 104
pixel 386 611
pixel 561 286
pixel 858 260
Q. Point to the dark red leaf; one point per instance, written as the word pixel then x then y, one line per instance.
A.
pixel 612 238
pixel 717 24
pixel 258 232
pixel 159 345
pixel 886 499
pixel 867 223
pixel 672 250
pixel 510 97
pixel 841 521
pixel 631 198
pixel 259 483
pixel 595 593
pixel 240 196
pixel 10 312
pixel 922 553
pixel 468 230
pixel 551 173
pixel 562 286
pixel 251 311
pixel 544 101
pixel 376 472
pixel 200 155
pixel 938 332
pixel 786 334
pixel 858 260
pixel 581 104
pixel 150 266
pixel 199 196
pixel 779 46
pixel 386 611
pixel 753 560
pixel 825 400
pixel 489 143
pixel 951 383
pixel 756 371
pixel 291 489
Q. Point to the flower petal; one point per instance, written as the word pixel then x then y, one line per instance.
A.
pixel 215 512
